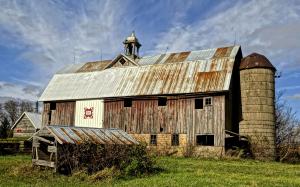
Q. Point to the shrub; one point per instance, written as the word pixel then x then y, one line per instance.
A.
pixel 132 160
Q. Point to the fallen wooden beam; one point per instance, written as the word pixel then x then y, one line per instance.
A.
pixel 43 163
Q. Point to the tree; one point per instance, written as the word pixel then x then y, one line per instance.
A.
pixel 287 127
pixel 12 110
pixel 4 128
pixel 1 112
pixel 26 106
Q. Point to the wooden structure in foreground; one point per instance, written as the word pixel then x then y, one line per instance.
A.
pixel 47 143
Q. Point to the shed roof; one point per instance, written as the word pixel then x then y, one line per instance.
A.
pixel 78 135
pixel 34 118
pixel 174 73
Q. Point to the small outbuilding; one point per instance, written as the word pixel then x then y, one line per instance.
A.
pixel 27 124
pixel 51 142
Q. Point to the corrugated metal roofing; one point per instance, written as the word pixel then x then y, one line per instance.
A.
pixel 199 71
pixel 35 118
pixel 77 135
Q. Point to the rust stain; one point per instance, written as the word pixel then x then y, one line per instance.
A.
pixel 80 135
pixel 213 65
pixel 67 134
pixel 182 56
pixel 177 57
pixel 223 52
pixel 256 60
pixel 92 136
pixel 207 81
pixel 94 66
pixel 170 58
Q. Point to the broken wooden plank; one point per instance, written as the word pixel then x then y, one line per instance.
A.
pixel 43 163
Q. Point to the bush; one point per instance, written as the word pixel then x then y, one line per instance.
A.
pixel 130 160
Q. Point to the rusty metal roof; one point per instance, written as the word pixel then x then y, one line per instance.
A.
pixel 256 60
pixel 224 52
pixel 199 72
pixel 78 135
pixel 85 67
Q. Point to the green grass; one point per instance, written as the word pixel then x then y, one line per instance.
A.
pixel 17 171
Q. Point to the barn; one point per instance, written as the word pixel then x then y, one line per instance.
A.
pixel 27 124
pixel 172 101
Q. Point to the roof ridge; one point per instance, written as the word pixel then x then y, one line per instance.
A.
pixel 175 52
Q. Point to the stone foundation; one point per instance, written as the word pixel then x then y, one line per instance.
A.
pixel 164 146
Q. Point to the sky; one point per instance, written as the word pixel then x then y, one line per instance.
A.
pixel 39 37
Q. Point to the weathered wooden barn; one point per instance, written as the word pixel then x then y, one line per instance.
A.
pixel 171 101
pixel 27 124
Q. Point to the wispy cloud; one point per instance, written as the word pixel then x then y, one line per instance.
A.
pixel 295 97
pixel 48 34
pixel 268 27
pixel 52 33
pixel 21 91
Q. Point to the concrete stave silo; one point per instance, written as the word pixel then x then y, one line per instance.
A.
pixel 257 85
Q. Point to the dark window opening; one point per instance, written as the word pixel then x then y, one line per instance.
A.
pixel 207 140
pixel 127 102
pixel 208 101
pixel 153 139
pixel 175 140
pixel 52 106
pixel 162 101
pixel 122 61
pixel 161 129
pixel 198 103
pixel 49 117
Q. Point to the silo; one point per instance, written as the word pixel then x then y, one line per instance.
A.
pixel 257 85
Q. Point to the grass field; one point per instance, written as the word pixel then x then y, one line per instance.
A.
pixel 17 171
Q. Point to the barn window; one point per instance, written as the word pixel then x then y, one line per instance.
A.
pixel 127 102
pixel 162 101
pixel 175 140
pixel 199 103
pixel 122 61
pixel 153 139
pixel 208 101
pixel 207 140
pixel 52 106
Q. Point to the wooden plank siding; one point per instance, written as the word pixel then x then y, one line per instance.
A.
pixel 64 114
pixel 179 116
pixel 24 128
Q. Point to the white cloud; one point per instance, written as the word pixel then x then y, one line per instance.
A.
pixel 21 91
pixel 268 27
pixel 52 33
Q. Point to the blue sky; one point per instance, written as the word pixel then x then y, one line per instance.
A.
pixel 40 37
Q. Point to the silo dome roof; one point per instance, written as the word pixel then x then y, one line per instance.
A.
pixel 256 60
